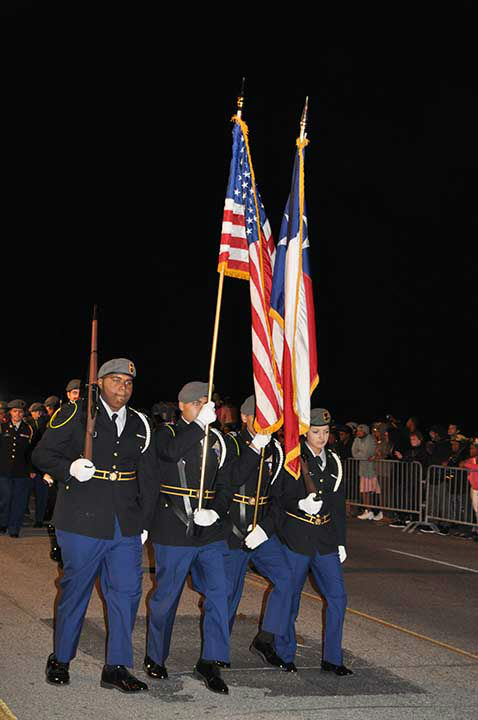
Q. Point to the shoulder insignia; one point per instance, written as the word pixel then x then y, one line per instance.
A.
pixel 147 428
pixel 280 460
pixel 339 470
pixel 233 437
pixel 171 429
pixel 222 444
pixel 55 425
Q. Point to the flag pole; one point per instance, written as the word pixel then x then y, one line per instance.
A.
pixel 258 491
pixel 240 103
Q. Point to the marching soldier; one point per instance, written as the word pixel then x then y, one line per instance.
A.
pixel 268 556
pixel 98 520
pixel 38 423
pixel 186 538
pixel 16 470
pixel 73 390
pixel 52 404
pixel 313 533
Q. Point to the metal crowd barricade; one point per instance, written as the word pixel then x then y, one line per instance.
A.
pixel 449 497
pixel 399 487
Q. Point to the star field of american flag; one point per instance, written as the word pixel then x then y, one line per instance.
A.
pixel 247 251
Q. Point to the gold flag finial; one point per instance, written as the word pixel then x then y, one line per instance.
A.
pixel 240 99
pixel 303 120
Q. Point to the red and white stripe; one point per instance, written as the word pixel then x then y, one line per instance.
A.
pixel 268 399
pixel 234 250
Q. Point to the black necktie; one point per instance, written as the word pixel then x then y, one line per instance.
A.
pixel 113 420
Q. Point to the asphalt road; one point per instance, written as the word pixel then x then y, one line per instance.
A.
pixel 410 637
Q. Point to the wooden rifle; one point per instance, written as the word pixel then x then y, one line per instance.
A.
pixel 92 389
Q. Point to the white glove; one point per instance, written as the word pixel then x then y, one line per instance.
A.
pixel 255 538
pixel 82 469
pixel 342 553
pixel 144 536
pixel 207 414
pixel 309 505
pixel 204 518
pixel 260 441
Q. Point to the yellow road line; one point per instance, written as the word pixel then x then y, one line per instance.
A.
pixel 260 583
pixel 5 712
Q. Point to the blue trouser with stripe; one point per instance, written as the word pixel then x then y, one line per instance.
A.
pixel 119 564
pixel 14 493
pixel 328 575
pixel 173 565
pixel 270 560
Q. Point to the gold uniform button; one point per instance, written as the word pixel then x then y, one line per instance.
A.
pixel 321 481
pixel 114 467
pixel 115 454
pixel 67 487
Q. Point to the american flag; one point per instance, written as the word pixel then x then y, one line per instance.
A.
pixel 293 318
pixel 247 251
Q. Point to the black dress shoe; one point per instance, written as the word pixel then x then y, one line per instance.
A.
pixel 268 654
pixel 289 667
pixel 14 535
pixel 117 677
pixel 209 673
pixel 3 529
pixel 57 672
pixel 55 553
pixel 154 670
pixel 222 664
pixel 337 669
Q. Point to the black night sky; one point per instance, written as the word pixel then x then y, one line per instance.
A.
pixel 114 190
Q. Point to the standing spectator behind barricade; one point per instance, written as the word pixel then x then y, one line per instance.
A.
pixel 439 450
pixel 471 464
pixel 363 449
pixel 457 485
pixel 230 413
pixel 382 452
pixel 412 424
pixel 408 487
pixel 344 444
pixel 4 419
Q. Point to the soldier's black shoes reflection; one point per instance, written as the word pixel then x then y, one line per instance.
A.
pixel 55 553
pixel 267 653
pixel 337 669
pixel 57 672
pixel 209 673
pixel 117 677
pixel 154 670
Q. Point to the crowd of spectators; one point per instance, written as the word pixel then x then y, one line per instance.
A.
pixel 370 445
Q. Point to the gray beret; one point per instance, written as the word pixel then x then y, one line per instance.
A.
pixel 3 405
pixel 319 417
pixel 52 401
pixel 17 404
pixel 123 366
pixel 73 385
pixel 248 407
pixel 36 406
pixel 193 391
